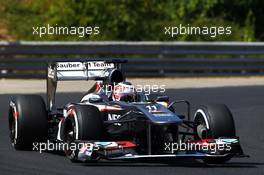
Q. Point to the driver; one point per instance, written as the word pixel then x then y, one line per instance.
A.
pixel 124 91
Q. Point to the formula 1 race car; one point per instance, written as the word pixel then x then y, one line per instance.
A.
pixel 112 121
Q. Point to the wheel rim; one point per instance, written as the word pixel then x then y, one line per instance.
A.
pixel 12 127
pixel 70 134
pixel 201 129
pixel 13 131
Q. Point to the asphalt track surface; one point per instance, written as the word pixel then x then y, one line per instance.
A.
pixel 246 103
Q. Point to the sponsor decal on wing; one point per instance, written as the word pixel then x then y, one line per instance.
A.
pixel 70 66
pixel 99 65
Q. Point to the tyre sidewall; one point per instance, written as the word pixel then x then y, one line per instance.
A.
pixel 220 120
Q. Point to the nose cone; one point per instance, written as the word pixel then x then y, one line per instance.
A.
pixel 158 114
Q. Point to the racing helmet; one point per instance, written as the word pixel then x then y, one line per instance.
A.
pixel 124 91
pixel 92 98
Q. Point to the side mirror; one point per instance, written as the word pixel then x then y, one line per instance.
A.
pixel 164 98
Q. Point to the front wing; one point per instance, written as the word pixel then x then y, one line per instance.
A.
pixel 125 150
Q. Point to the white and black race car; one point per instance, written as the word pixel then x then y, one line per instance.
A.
pixel 114 122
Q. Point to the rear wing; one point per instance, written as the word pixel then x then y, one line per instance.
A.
pixel 107 71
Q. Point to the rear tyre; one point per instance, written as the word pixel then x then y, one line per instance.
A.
pixel 84 122
pixel 27 121
pixel 214 121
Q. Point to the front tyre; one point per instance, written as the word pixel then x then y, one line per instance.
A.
pixel 214 121
pixel 217 119
pixel 83 122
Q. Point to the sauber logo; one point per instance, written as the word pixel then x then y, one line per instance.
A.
pixel 69 66
pixel 95 65
pixel 113 116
